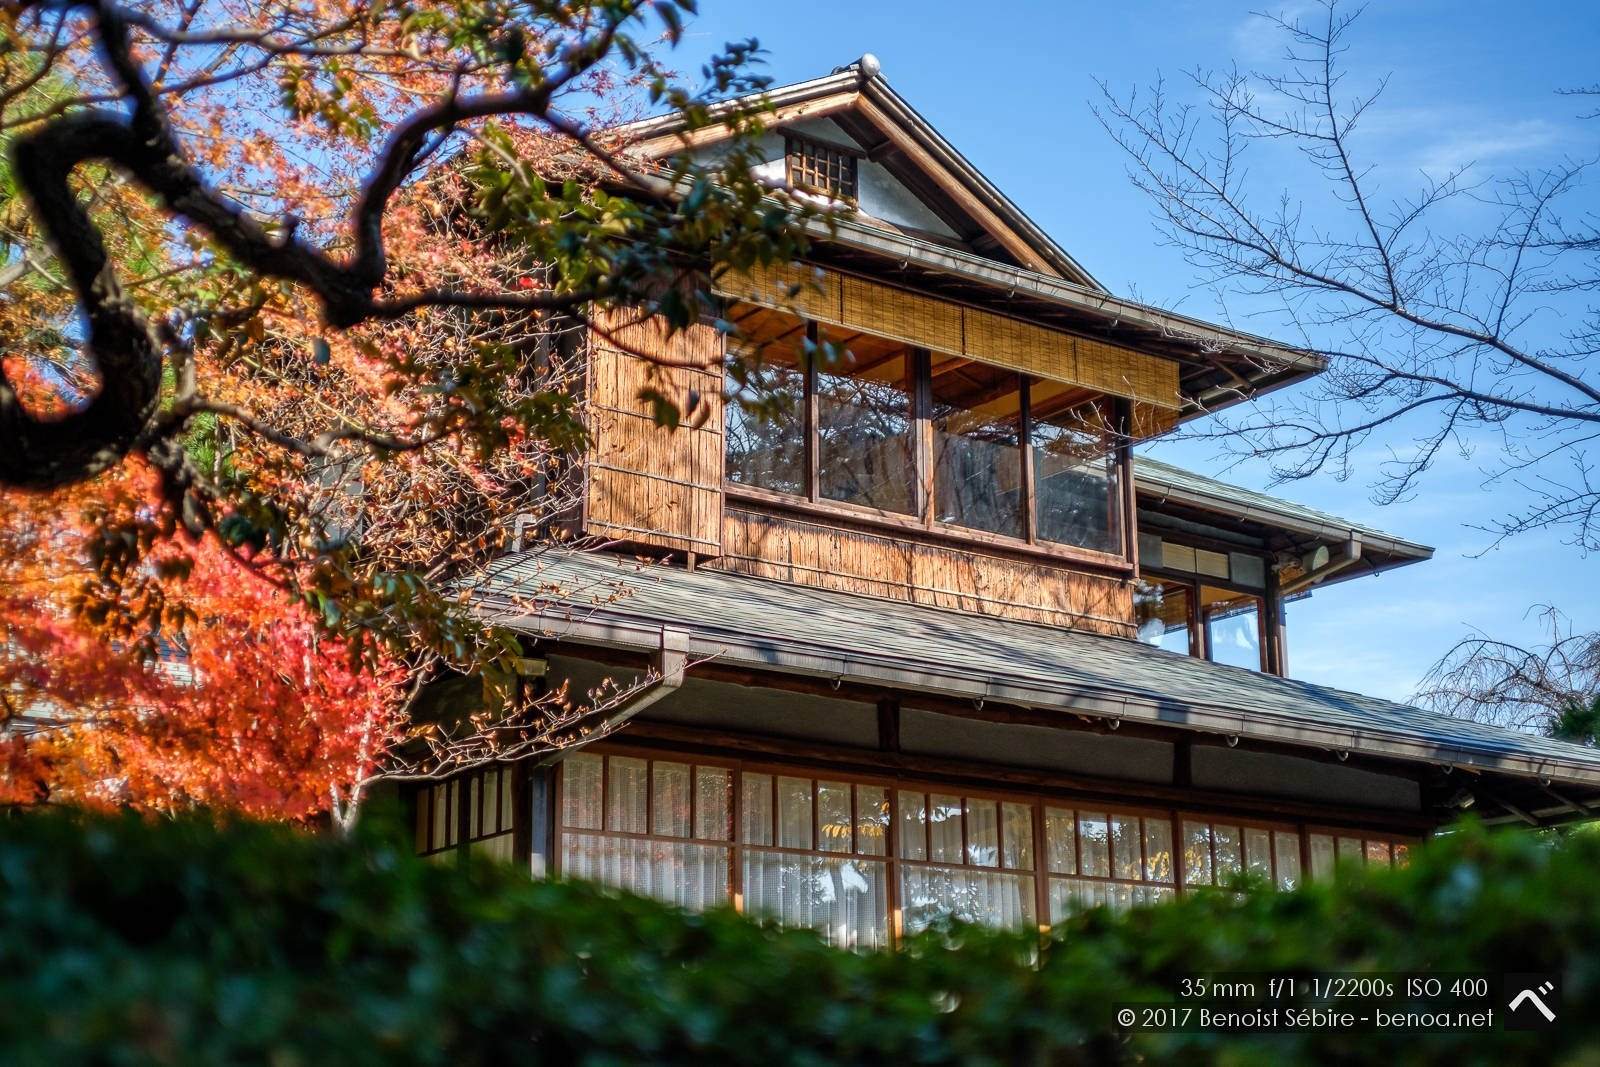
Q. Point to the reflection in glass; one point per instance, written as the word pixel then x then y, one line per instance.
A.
pixel 1233 632
pixel 993 898
pixel 1074 471
pixel 764 417
pixel 688 875
pixel 872 820
pixel 865 443
pixel 977 421
pixel 669 799
pixel 712 791
pixel 845 900
pixel 833 816
pixel 1196 853
pixel 1060 836
pixel 1161 613
pixel 913 827
pixel 944 828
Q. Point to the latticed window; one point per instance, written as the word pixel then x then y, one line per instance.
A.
pixel 821 169
pixel 861 861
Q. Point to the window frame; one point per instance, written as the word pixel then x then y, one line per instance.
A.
pixel 1037 800
pixel 1120 494
pixel 805 157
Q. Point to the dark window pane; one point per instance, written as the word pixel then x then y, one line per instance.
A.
pixel 1161 613
pixel 977 473
pixel 765 413
pixel 1074 471
pixel 864 429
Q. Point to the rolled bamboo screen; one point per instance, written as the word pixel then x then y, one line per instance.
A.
pixel 844 300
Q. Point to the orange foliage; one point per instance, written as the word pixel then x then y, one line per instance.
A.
pixel 250 707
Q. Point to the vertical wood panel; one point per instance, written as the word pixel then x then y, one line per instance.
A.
pixel 964 579
pixel 647 484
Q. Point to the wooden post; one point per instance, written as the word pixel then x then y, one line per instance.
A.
pixel 922 430
pixel 812 428
pixel 1272 626
pixel 889 724
pixel 1030 511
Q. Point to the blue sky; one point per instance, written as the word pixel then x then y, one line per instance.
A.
pixel 1471 82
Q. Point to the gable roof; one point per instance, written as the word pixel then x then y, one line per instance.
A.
pixel 592 598
pixel 1012 265
pixel 891 132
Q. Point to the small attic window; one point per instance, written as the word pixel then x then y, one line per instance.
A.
pixel 822 168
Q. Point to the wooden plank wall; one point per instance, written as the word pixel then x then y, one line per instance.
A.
pixel 805 552
pixel 648 485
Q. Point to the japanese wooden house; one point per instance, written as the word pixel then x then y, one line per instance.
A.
pixel 930 639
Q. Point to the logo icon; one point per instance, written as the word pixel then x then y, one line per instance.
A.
pixel 1535 1000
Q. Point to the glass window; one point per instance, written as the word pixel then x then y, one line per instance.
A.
pixel 1161 613
pixel 1017 836
pixel 712 791
pixel 977 455
pixel 865 444
pixel 756 799
pixel 815 852
pixel 1074 469
pixel 581 775
pixel 669 799
pixel 1196 853
pixel 626 782
pixel 482 798
pixel 872 820
pixel 794 812
pixel 1233 627
pixel 913 826
pixel 1060 836
pixel 764 417
pixel 944 829
pixel 834 824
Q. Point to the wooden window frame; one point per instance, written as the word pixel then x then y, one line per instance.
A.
pixel 1120 502
pixel 1036 800
pixel 463 824
pixel 823 168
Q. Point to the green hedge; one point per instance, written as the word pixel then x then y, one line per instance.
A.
pixel 130 941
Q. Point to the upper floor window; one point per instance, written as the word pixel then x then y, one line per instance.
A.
pixel 1198 619
pixel 821 168
pixel 837 416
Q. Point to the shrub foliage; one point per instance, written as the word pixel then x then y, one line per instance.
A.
pixel 126 940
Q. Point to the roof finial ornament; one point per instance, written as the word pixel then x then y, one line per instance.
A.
pixel 869 66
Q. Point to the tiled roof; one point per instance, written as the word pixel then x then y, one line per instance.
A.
pixel 603 599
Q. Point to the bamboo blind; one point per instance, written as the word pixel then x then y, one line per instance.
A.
pixel 845 300
pixel 646 484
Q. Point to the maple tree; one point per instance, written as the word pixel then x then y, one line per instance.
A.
pixel 286 303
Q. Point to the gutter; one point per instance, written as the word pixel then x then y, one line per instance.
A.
pixel 669 662
pixel 832 663
pixel 1350 556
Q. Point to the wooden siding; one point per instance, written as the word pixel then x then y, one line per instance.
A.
pixel 845 300
pixel 646 484
pixel 965 578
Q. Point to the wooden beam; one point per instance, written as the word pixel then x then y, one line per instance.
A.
pixel 957 192
pixel 1082 788
pixel 669 143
